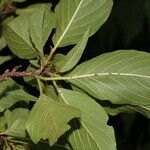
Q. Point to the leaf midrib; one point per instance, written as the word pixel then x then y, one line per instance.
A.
pixel 69 24
pixel 105 74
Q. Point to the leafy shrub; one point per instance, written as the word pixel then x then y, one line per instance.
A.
pixel 73 100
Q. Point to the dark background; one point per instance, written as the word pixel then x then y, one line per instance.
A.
pixel 128 27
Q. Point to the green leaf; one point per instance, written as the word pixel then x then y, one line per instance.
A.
pixel 2 123
pixel 58 60
pixel 17 122
pixel 74 17
pixel 21 147
pixel 4 58
pixel 75 54
pixel 17 129
pixel 35 63
pixel 17 113
pixel 19 1
pixel 48 119
pixel 18 38
pixel 30 9
pixel 94 133
pixel 122 77
pixel 2 41
pixel 8 117
pixel 144 110
pixel 3 30
pixel 10 93
pixel 41 24
pixel 51 92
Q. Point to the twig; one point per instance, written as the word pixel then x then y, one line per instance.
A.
pixel 8 10
pixel 15 73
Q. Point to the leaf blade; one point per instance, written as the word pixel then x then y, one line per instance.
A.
pixel 10 93
pixel 18 38
pixel 94 133
pixel 121 77
pixel 73 19
pixel 41 24
pixel 4 58
pixel 47 119
pixel 16 122
pixel 75 54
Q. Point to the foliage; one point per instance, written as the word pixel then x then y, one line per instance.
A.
pixel 66 108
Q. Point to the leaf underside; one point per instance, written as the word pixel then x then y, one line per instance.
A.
pixel 73 18
pixel 122 77
pixel 48 119
pixel 94 132
pixel 18 38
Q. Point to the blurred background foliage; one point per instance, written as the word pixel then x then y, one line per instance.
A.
pixel 128 27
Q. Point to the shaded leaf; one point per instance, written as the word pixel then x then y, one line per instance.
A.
pixel 16 120
pixel 17 129
pixel 144 110
pixel 18 38
pixel 2 123
pixel 94 132
pixel 123 77
pixel 19 1
pixel 75 54
pixel 10 93
pixel 22 147
pixel 51 92
pixel 48 119
pixel 4 58
pixel 74 17
pixel 8 117
pixel 2 41
pixel 3 30
pixel 42 22
pixel 58 60
pixel 17 113
pixel 30 9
